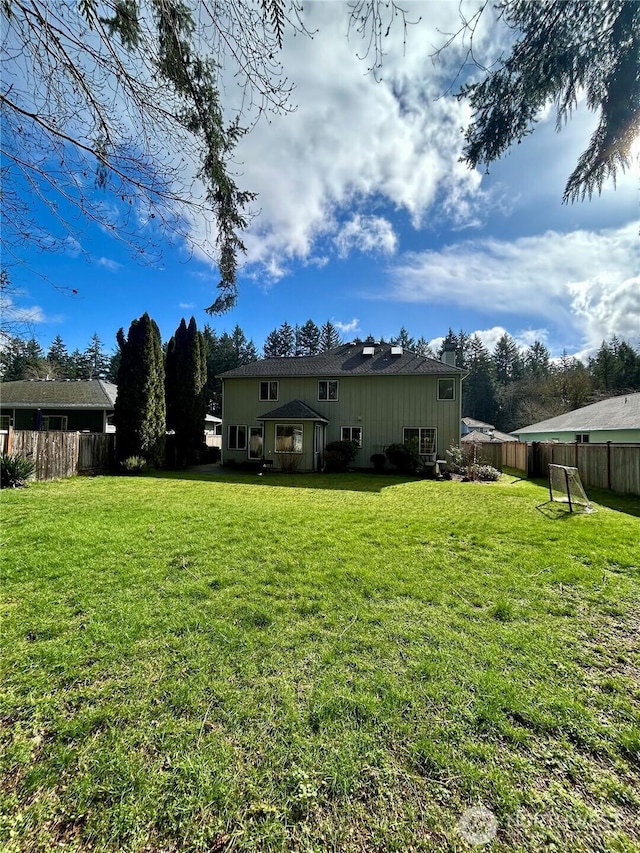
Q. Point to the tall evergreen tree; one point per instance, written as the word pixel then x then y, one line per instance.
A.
pixel 478 390
pixel 185 391
pixel 272 344
pixel 309 339
pixel 140 414
pixel 58 355
pixel 96 360
pixel 422 348
pixel 507 361
pixel 329 337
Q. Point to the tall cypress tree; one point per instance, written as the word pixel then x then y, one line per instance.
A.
pixel 185 386
pixel 139 413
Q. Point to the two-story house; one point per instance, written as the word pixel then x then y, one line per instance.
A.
pixel 373 394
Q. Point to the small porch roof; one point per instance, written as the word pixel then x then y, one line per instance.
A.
pixel 295 410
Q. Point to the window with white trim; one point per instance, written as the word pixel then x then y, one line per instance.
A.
pixel 55 422
pixel 5 421
pixel 425 437
pixel 446 389
pixel 328 390
pixel 237 438
pixel 289 438
pixel 256 442
pixel 268 391
pixel 582 437
pixel 350 433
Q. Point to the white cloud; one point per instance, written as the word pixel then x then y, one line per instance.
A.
pixel 354 141
pixel 13 314
pixel 107 263
pixel 346 328
pixel 607 309
pixel 366 234
pixel 186 306
pixel 584 280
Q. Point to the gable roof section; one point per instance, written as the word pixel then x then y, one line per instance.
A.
pixel 345 360
pixel 472 423
pixel 615 413
pixel 59 394
pixel 294 410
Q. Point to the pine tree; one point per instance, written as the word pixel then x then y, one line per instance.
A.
pixel 185 391
pixel 96 360
pixel 59 356
pixel 329 337
pixel 478 390
pixel 309 339
pixel 140 414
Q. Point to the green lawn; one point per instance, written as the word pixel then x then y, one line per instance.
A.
pixel 316 663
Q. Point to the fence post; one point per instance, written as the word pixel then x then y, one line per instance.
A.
pixel 9 440
pixel 609 466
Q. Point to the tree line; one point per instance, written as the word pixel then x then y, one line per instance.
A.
pixel 509 386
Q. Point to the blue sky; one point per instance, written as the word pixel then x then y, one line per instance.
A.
pixel 366 218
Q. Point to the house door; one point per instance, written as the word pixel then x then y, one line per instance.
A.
pixel 318 446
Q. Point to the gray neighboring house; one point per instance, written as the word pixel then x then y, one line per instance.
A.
pixel 616 419
pixel 481 437
pixel 373 394
pixel 83 405
pixel 472 425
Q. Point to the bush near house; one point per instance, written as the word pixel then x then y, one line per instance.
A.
pixel 404 457
pixel 338 455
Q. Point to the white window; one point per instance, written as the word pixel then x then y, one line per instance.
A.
pixel 289 438
pixel 328 389
pixel 425 437
pixel 446 389
pixel 256 440
pixel 56 422
pixel 237 437
pixel 352 434
pixel 268 391
pixel 582 438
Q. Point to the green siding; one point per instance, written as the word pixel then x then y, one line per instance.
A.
pixel 596 436
pixel 77 420
pixel 381 405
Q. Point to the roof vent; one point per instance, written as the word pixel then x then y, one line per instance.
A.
pixel 395 350
pixel 368 350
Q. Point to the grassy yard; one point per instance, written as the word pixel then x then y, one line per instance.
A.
pixel 317 663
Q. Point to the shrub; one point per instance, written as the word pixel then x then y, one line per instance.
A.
pixel 338 455
pixel 379 460
pixel 133 465
pixel 15 470
pixel 484 472
pixel 289 462
pixel 455 459
pixel 404 457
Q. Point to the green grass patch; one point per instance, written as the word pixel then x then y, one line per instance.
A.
pixel 327 662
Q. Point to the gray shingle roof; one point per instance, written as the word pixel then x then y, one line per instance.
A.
pixel 345 360
pixel 615 413
pixel 472 423
pixel 38 393
pixel 294 410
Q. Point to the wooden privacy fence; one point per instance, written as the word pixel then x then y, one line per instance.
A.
pixel 504 454
pixel 60 454
pixel 611 466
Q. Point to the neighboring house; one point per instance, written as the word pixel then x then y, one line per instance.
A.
pixel 616 419
pixel 481 437
pixel 42 404
pixel 471 425
pixel 287 409
pixel 213 431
